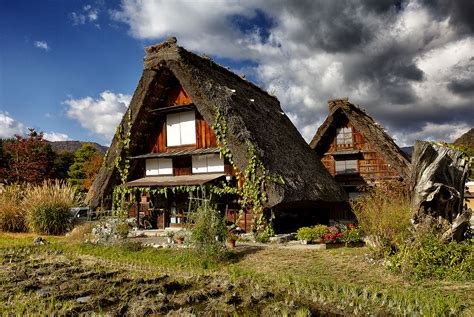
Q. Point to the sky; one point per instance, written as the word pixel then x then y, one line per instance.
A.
pixel 69 68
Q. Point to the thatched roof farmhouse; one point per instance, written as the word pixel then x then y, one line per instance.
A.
pixel 355 149
pixel 176 81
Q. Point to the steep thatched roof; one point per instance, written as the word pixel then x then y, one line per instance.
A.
pixel 251 115
pixel 371 130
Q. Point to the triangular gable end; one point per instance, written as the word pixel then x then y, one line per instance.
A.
pixel 369 151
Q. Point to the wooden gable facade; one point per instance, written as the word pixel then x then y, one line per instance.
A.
pixel 350 151
pixel 180 161
pixel 180 101
pixel 180 156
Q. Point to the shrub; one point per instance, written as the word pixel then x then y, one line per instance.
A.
pixel 110 231
pixel 48 205
pixel 427 256
pixel 306 233
pixel 320 231
pixel 263 237
pixel 312 233
pixel 12 216
pixel 208 223
pixel 383 214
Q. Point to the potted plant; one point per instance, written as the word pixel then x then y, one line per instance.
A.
pixel 170 235
pixel 353 236
pixel 179 236
pixel 230 242
pixel 305 235
pixel 318 233
pixel 313 234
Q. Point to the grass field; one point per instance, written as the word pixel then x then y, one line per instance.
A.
pixel 67 277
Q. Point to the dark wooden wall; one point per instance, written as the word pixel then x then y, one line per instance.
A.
pixel 205 137
pixel 371 165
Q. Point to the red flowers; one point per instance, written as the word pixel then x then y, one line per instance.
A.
pixel 334 237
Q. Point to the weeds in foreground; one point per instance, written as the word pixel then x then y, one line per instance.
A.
pixel 12 216
pixel 428 256
pixel 280 285
pixel 208 232
pixel 383 214
pixel 48 207
pixel 80 233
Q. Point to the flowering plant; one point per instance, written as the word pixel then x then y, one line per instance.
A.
pixel 334 237
pixel 353 234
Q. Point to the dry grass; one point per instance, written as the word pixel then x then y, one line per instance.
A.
pixel 341 280
pixel 349 265
pixel 48 205
pixel 12 216
pixel 80 232
pixel 384 213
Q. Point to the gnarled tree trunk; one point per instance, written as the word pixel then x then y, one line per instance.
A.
pixel 437 184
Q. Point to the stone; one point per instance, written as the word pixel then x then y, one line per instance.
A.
pixel 39 241
pixel 282 238
pixel 83 300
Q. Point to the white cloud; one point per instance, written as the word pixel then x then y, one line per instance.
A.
pixel 199 25
pixel 77 18
pixel 433 132
pixel 87 14
pixel 101 115
pixel 9 126
pixel 397 64
pixel 55 136
pixel 42 45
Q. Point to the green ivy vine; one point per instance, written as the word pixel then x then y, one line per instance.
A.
pixel 122 162
pixel 256 176
pixel 252 193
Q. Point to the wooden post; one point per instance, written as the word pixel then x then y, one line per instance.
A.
pixel 138 201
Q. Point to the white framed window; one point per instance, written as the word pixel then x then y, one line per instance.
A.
pixel 159 166
pixel 344 136
pixel 346 167
pixel 210 163
pixel 181 128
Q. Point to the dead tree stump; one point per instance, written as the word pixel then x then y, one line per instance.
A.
pixel 438 177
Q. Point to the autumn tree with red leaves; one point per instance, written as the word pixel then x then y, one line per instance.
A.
pixel 27 159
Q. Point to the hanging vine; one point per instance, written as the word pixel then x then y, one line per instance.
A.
pixel 122 162
pixel 256 176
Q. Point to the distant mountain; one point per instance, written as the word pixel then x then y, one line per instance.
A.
pixel 408 150
pixel 73 146
pixel 467 139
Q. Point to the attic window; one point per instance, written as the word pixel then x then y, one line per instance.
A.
pixel 181 128
pixel 346 167
pixel 344 136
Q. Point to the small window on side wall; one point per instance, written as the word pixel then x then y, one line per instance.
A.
pixel 159 166
pixel 344 136
pixel 346 167
pixel 211 163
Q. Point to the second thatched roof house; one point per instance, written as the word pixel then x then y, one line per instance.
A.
pixel 191 123
pixel 356 150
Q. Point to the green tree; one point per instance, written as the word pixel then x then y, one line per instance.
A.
pixel 76 172
pixel 62 162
